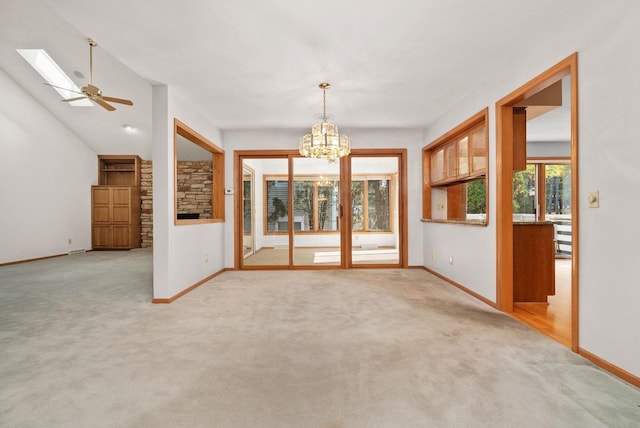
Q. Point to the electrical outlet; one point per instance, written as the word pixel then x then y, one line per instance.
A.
pixel 206 258
pixel 433 255
pixel 451 260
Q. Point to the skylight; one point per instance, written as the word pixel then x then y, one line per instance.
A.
pixel 53 74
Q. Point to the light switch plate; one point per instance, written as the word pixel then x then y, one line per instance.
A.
pixel 594 199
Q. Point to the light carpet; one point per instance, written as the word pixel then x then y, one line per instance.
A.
pixel 82 346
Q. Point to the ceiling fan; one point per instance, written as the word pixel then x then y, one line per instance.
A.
pixel 93 92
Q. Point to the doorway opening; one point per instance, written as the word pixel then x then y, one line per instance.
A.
pixel 536 193
pixel 303 213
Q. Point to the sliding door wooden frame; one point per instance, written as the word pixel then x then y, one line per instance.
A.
pixel 345 203
pixel 504 196
pixel 402 186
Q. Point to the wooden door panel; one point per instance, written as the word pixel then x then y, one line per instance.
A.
pixel 101 236
pixel 121 214
pixel 121 196
pixel 100 214
pixel 100 195
pixel 121 237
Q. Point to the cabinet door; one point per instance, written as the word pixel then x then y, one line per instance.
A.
pixel 463 156
pixel 100 205
pixel 121 205
pixel 121 237
pixel 437 165
pixel 479 150
pixel 101 236
pixel 451 161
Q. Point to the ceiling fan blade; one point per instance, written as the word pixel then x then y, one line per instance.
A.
pixel 118 100
pixel 68 100
pixel 60 87
pixel 103 104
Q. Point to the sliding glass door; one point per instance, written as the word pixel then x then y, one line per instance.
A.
pixel 295 212
pixel 316 207
pixel 374 211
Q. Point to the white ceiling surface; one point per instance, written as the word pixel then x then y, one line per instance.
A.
pixel 250 64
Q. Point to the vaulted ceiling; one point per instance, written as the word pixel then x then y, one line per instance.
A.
pixel 257 63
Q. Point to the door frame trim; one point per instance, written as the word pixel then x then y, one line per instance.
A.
pixel 504 183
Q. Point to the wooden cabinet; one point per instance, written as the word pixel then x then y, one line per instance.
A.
pixel 462 158
pixel 119 170
pixel 115 203
pixel 533 262
pixel 115 217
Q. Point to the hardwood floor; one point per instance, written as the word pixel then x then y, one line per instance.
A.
pixel 552 318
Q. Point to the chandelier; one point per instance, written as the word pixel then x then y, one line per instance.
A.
pixel 324 141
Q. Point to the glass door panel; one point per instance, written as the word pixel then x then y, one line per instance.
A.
pixel 374 211
pixel 316 203
pixel 248 210
pixel 271 212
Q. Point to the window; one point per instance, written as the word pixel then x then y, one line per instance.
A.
pixel 277 205
pixel 454 174
pixel 371 208
pixel 316 204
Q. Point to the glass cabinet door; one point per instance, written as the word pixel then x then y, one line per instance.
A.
pixel 478 150
pixel 463 156
pixel 451 161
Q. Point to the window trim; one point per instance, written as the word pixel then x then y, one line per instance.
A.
pixel 478 120
pixel 217 187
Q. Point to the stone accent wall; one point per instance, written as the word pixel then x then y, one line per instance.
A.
pixel 195 181
pixel 146 201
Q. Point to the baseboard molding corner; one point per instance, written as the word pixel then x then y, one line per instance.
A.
pixel 167 300
pixel 461 287
pixel 611 368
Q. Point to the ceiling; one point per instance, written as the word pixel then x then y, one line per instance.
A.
pixel 255 64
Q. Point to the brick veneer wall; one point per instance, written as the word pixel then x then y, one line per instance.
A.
pixel 195 180
pixel 146 201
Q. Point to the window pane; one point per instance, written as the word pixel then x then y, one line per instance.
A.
pixel 378 205
pixel 357 209
pixel 303 204
pixel 558 189
pixel 524 194
pixel 246 202
pixel 277 205
pixel 476 200
pixel 328 206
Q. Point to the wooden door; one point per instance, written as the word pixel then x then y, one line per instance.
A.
pixel 100 212
pixel 121 205
pixel 121 237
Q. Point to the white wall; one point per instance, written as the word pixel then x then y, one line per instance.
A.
pixel 46 173
pixel 179 251
pixel 606 42
pixel 410 139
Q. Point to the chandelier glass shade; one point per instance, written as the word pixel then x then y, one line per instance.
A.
pixel 325 140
